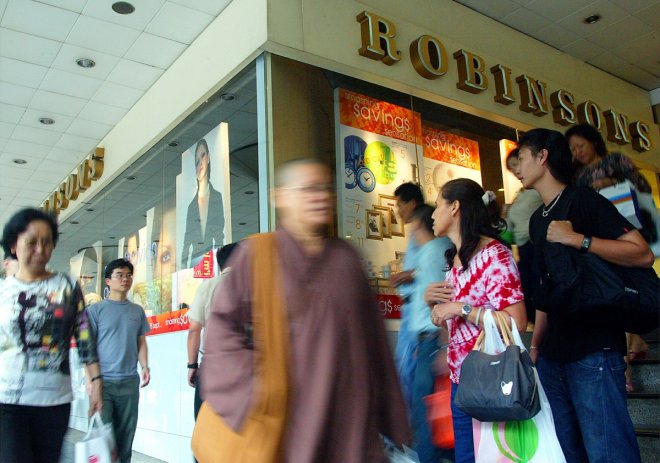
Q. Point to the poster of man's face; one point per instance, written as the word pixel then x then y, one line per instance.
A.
pixel 202 197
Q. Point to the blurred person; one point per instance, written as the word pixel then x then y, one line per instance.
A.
pixel 11 266
pixel 408 198
pixel 39 313
pixel 517 216
pixel 416 320
pixel 343 389
pixel 580 359
pixel 205 219
pixel 120 327
pixel 482 276
pixel 198 314
pixel 596 168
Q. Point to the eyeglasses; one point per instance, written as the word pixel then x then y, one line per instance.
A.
pixel 313 189
pixel 33 242
pixel 122 276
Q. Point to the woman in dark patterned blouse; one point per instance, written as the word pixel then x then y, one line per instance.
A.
pixel 40 311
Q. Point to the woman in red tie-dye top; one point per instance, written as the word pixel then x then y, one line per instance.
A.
pixel 482 276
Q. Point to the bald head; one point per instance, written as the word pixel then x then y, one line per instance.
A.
pixel 287 172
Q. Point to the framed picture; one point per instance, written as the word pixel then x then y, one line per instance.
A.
pixel 396 224
pixel 386 213
pixel 374 224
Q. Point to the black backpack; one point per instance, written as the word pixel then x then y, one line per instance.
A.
pixel 577 283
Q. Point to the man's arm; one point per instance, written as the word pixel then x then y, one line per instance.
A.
pixel 628 250
pixel 540 326
pixel 194 339
pixel 94 387
pixel 143 358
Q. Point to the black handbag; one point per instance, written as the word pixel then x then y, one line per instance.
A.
pixel 500 387
pixel 585 284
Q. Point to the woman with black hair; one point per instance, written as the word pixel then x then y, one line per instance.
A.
pixel 40 311
pixel 482 276
pixel 205 219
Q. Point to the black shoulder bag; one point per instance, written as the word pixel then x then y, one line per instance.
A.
pixel 577 283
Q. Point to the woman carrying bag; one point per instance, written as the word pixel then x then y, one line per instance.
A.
pixel 482 276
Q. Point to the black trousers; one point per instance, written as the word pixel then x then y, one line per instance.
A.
pixel 32 434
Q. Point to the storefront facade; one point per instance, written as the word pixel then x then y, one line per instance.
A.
pixel 383 95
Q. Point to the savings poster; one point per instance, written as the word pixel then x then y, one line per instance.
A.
pixel 511 183
pixel 378 152
pixel 446 157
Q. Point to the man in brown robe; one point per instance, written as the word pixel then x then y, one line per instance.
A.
pixel 343 386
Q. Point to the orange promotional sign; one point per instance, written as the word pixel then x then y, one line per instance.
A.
pixel 508 145
pixel 204 269
pixel 448 147
pixel 375 116
pixel 168 322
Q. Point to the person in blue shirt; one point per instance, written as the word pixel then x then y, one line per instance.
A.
pixel 418 343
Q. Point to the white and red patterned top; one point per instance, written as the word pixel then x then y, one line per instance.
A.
pixel 491 281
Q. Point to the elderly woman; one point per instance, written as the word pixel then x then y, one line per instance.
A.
pixel 39 313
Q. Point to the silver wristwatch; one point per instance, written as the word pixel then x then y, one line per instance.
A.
pixel 465 311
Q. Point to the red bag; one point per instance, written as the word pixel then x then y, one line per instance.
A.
pixel 438 407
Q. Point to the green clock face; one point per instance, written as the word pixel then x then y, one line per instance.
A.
pixel 380 159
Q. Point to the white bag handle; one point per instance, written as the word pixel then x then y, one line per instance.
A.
pixel 490 340
pixel 94 422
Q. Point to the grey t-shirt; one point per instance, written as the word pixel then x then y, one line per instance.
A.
pixel 117 325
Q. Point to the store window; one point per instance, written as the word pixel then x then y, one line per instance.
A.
pixel 378 138
pixel 192 192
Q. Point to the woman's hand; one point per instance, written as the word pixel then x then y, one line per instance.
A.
pixel 438 293
pixel 443 312
pixel 603 183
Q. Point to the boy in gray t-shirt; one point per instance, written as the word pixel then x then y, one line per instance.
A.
pixel 120 327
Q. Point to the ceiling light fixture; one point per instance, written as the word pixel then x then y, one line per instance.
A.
pixel 592 19
pixel 173 143
pixel 123 8
pixel 242 223
pixel 20 161
pixel 86 63
pixel 131 177
pixel 46 120
pixel 227 96
pixel 90 209
pixel 74 222
pixel 249 192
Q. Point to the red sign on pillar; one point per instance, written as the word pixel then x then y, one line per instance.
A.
pixel 204 269
pixel 389 305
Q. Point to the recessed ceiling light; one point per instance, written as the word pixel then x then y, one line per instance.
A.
pixel 242 223
pixel 594 18
pixel 249 192
pixel 46 120
pixel 227 96
pixel 111 237
pixel 86 63
pixel 20 161
pixel 173 143
pixel 123 8
pixel 90 209
pixel 131 177
pixel 74 222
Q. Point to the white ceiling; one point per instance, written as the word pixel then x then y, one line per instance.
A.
pixel 625 42
pixel 40 42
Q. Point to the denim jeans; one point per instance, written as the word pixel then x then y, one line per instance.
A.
pixel 463 439
pixel 120 407
pixel 423 385
pixel 589 406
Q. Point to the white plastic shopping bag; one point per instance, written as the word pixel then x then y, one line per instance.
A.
pixel 98 445
pixel 395 455
pixel 529 441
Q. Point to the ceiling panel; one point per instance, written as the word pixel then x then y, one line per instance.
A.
pixel 102 36
pixel 31 118
pixel 87 128
pixel 114 94
pixel 15 94
pixel 35 135
pixel 103 113
pixel 212 7
pixel 145 10
pixel 155 51
pixel 9 113
pixel 67 83
pixel 38 19
pixel 72 5
pixel 68 54
pixel 19 72
pixel 55 102
pixel 135 75
pixel 167 23
pixel 28 48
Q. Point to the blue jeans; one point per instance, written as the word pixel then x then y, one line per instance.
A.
pixel 589 406
pixel 463 439
pixel 120 407
pixel 423 384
